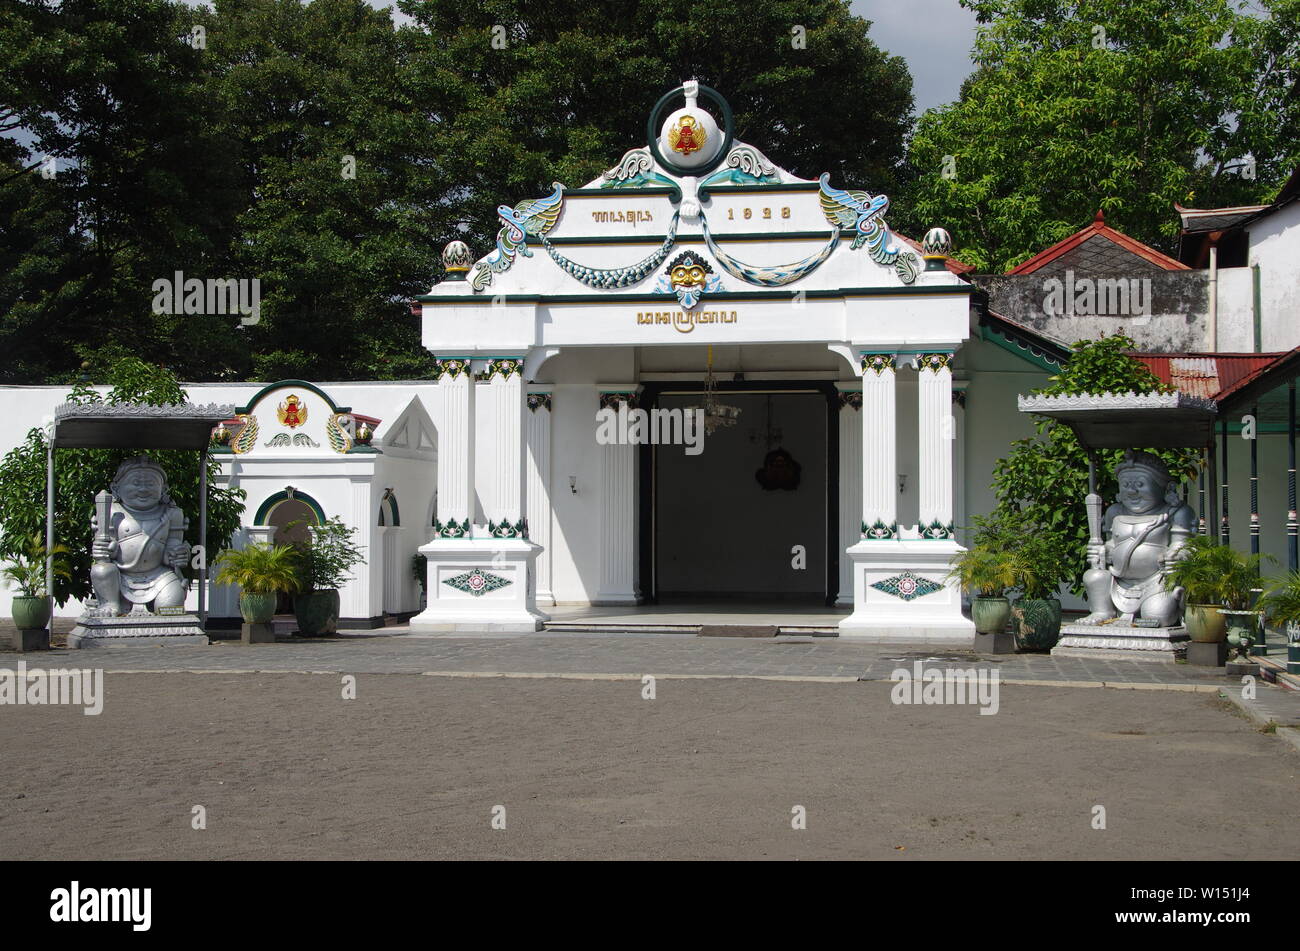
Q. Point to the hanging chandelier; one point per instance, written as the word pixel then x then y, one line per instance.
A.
pixel 716 415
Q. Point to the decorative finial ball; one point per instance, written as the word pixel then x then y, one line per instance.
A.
pixel 456 257
pixel 364 434
pixel 937 243
pixel 690 137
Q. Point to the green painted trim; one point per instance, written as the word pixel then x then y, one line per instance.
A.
pixel 397 515
pixel 952 290
pixel 712 190
pixel 272 501
pixel 655 240
pixel 295 384
pixel 671 192
pixel 991 336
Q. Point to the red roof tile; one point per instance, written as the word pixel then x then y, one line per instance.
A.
pixel 1206 374
pixel 1098 228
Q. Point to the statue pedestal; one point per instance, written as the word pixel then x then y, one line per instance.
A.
pixel 136 630
pixel 1122 641
pixel 479 585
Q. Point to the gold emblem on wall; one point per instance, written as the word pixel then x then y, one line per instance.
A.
pixel 686 135
pixel 292 412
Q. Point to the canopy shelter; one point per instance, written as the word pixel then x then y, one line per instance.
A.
pixel 133 426
pixel 1128 420
pixel 1124 420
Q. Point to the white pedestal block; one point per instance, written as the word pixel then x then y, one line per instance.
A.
pixel 900 595
pixel 479 584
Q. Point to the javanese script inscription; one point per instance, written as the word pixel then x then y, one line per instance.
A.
pixel 632 216
pixel 684 321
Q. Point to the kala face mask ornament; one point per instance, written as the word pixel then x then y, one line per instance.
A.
pixel 689 277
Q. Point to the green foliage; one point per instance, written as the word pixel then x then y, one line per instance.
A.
pixel 1281 599
pixel 79 474
pixel 27 567
pixel 1060 119
pixel 326 560
pixel 985 572
pixel 1045 477
pixel 235 160
pixel 1215 574
pixel 260 568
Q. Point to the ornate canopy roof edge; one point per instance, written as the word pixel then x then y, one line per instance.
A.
pixel 1129 420
pixel 1037 403
pixel 136 425
pixel 213 411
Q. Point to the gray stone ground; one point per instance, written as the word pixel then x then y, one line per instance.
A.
pixel 626 654
pixel 284 767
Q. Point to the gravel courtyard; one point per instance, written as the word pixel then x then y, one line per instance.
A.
pixel 414 766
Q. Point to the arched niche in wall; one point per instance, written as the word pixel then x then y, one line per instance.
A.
pixel 283 509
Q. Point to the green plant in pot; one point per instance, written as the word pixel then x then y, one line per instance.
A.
pixel 26 571
pixel 262 572
pixel 986 572
pixel 1281 604
pixel 1217 579
pixel 325 563
pixel 1046 561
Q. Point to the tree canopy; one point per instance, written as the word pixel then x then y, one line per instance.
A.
pixel 1124 105
pixel 329 155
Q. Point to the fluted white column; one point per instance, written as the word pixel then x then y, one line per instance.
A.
pixel 934 444
pixel 505 477
pixel 850 401
pixel 455 448
pixel 358 600
pixel 537 508
pixel 879 448
pixel 959 452
pixel 618 516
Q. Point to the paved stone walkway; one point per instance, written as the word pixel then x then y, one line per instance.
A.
pixel 626 654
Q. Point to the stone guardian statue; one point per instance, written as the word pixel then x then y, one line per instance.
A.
pixel 139 543
pixel 1144 530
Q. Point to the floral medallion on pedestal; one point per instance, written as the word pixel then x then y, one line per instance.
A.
pixel 477 582
pixel 877 363
pixel 907 586
pixel 538 401
pixel 879 531
pixel 851 399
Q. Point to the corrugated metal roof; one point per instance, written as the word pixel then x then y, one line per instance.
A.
pixel 1205 374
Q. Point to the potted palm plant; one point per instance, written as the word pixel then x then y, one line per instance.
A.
pixel 26 571
pixel 1217 579
pixel 986 573
pixel 1281 603
pixel 1046 560
pixel 325 563
pixel 262 572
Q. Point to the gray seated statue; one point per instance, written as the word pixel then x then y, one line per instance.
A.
pixel 139 543
pixel 1144 530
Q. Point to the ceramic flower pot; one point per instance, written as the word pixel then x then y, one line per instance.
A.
pixel 1242 625
pixel 990 614
pixel 31 613
pixel 257 608
pixel 317 612
pixel 1037 623
pixel 1204 623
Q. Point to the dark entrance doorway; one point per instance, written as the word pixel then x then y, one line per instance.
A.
pixel 753 516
